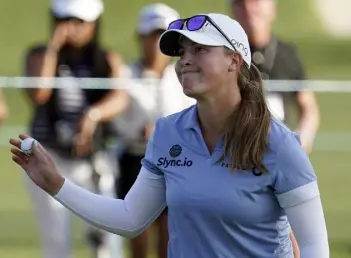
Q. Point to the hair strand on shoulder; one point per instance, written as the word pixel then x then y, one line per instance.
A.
pixel 247 138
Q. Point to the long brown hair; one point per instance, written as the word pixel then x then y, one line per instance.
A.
pixel 247 138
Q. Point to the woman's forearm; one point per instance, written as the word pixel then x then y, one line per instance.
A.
pixel 129 217
pixel 117 100
pixel 308 224
pixel 113 104
pixel 44 68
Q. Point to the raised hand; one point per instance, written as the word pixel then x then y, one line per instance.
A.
pixel 39 166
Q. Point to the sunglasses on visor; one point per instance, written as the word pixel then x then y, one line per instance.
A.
pixel 195 23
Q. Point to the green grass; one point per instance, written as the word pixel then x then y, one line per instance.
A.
pixel 23 23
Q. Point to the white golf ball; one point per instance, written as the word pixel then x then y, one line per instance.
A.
pixel 27 144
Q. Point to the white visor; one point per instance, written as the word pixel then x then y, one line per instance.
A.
pixel 208 35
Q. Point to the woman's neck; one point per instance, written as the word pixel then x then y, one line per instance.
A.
pixel 214 113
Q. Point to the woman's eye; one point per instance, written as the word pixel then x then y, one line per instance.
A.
pixel 200 49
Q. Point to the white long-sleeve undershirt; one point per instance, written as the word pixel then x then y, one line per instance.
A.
pixel 129 217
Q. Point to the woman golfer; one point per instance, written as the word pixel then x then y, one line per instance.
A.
pixel 227 171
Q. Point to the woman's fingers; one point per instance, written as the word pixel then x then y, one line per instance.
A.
pixel 19 161
pixel 18 156
pixel 16 152
pixel 16 143
pixel 23 136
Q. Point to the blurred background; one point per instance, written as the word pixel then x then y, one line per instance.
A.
pixel 320 30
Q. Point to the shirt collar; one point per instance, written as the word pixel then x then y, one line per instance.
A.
pixel 192 121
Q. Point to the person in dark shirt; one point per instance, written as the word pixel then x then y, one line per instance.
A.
pixel 70 121
pixel 277 60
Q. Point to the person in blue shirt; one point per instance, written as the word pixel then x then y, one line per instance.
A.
pixel 231 176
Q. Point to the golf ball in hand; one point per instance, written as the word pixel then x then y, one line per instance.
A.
pixel 27 145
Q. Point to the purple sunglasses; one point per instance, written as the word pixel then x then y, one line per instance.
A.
pixel 195 23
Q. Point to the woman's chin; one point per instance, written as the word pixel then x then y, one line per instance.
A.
pixel 192 89
pixel 190 92
pixel 187 88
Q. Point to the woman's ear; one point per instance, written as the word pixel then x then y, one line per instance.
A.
pixel 236 61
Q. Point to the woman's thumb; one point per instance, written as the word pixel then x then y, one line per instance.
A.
pixel 36 152
pixel 44 153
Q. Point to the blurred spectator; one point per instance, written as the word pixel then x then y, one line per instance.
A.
pixel 3 108
pixel 277 60
pixel 69 121
pixel 160 96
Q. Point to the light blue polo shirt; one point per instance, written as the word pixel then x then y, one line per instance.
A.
pixel 214 213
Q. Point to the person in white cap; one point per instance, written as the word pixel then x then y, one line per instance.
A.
pixel 69 121
pixel 227 170
pixel 160 96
